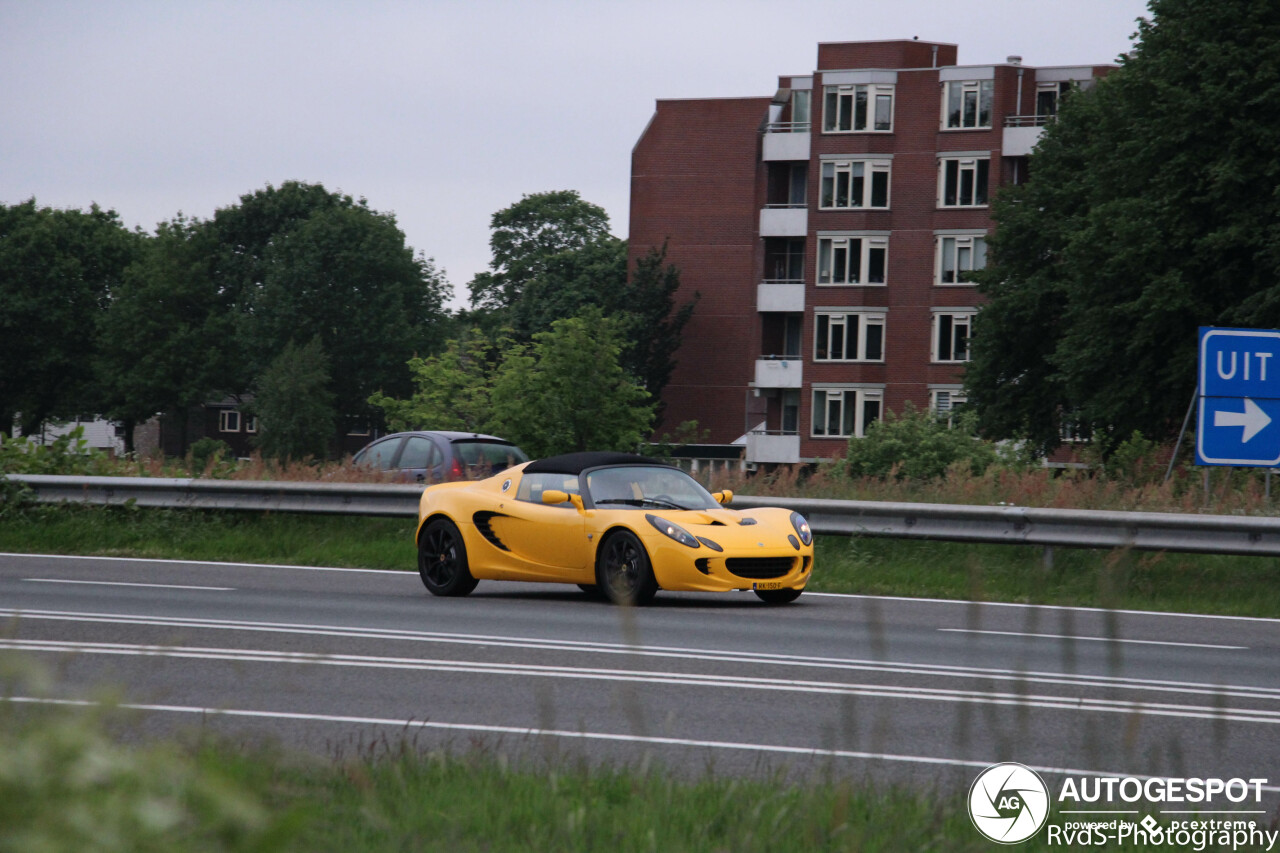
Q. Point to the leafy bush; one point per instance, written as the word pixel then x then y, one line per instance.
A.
pixel 66 454
pixel 65 785
pixel 918 445
pixel 210 457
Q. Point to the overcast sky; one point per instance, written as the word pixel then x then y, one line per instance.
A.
pixel 439 111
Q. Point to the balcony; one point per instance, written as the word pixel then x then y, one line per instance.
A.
pixel 773 447
pixel 1021 133
pixel 784 296
pixel 785 140
pixel 784 221
pixel 779 371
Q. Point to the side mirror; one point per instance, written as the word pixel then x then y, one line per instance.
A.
pixel 723 498
pixel 554 496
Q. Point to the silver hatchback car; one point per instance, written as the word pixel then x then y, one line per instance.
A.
pixel 436 457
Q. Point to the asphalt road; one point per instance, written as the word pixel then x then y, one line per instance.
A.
pixel 892 689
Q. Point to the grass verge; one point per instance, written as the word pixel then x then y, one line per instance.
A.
pixel 1191 583
pixel 67 783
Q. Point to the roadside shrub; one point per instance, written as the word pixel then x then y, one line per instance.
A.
pixel 210 457
pixel 66 454
pixel 918 445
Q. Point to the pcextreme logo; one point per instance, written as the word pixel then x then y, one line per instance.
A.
pixel 1008 803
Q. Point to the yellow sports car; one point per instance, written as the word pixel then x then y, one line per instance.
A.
pixel 620 525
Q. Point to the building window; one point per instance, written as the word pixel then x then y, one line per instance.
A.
pixel 784 259
pixel 1048 98
pixel 228 420
pixel 857 108
pixel 951 331
pixel 845 412
pixel 854 184
pixel 959 256
pixel 852 260
pixel 791 411
pixel 250 424
pixel 968 104
pixel 800 110
pixel 944 402
pixel 963 181
pixel 849 336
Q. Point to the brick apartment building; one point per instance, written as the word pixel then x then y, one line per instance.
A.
pixel 829 229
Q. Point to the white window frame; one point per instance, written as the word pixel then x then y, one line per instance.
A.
pixel 944 400
pixel 250 424
pixel 847 320
pixel 966 164
pixel 963 253
pixel 832 173
pixel 947 321
pixel 973 92
pixel 228 420
pixel 850 424
pixel 846 98
pixel 836 256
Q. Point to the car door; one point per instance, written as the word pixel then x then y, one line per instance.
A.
pixel 419 459
pixel 546 541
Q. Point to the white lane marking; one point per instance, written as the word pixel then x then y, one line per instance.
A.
pixel 409 573
pixel 171 562
pixel 125 583
pixel 1092 639
pixel 876 691
pixel 710 655
pixel 523 731
pixel 1074 609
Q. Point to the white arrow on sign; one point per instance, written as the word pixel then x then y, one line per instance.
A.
pixel 1253 419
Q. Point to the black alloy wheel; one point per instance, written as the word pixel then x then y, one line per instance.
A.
pixel 442 560
pixel 623 572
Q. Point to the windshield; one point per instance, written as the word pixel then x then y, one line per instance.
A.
pixel 646 487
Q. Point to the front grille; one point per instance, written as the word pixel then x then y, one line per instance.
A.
pixel 759 568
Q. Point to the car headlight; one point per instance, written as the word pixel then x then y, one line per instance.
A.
pixel 802 528
pixel 675 531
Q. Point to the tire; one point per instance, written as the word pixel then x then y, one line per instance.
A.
pixel 442 560
pixel 778 596
pixel 624 574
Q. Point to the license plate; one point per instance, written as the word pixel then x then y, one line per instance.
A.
pixel 771 585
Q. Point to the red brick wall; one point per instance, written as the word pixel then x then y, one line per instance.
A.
pixel 884 54
pixel 697 183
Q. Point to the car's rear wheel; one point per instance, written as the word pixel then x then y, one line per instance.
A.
pixel 623 572
pixel 442 559
pixel 778 596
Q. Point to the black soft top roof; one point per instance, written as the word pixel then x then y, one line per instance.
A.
pixel 576 463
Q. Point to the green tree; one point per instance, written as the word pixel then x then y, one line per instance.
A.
pixel 451 390
pixel 526 237
pixel 58 270
pixel 167 339
pixel 346 276
pixel 918 445
pixel 1151 210
pixel 293 405
pixel 568 391
pixel 651 321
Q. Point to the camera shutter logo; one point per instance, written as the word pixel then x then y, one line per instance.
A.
pixel 1008 803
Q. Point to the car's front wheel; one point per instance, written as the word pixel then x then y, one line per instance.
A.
pixel 623 571
pixel 778 596
pixel 442 559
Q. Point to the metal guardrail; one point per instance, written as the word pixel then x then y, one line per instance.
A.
pixel 386 499
pixel 1205 534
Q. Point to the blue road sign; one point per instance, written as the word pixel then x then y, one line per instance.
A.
pixel 1239 421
